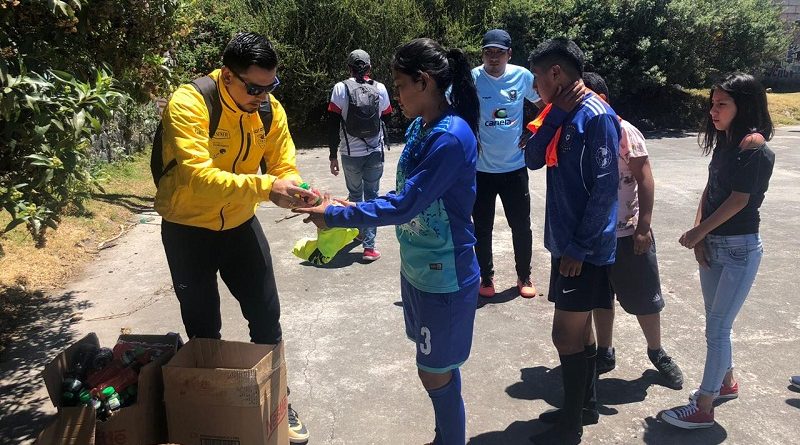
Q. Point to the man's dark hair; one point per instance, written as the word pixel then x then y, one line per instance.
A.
pixel 559 51
pixel 596 83
pixel 247 49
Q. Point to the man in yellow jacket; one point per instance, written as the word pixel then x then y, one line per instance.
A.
pixel 209 196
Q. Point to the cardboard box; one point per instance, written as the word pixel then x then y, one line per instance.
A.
pixel 223 392
pixel 143 423
pixel 74 426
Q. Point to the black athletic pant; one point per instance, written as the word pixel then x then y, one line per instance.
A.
pixel 242 257
pixel 513 190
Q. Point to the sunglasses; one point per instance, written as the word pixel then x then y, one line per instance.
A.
pixel 257 90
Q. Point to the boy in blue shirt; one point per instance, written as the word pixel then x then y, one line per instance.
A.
pixel 580 148
pixel 503 89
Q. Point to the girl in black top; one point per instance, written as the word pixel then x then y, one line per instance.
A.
pixel 725 235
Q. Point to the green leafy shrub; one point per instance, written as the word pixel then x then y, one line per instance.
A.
pixel 642 47
pixel 46 122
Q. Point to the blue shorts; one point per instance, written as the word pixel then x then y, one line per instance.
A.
pixel 440 325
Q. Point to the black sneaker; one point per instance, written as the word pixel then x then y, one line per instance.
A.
pixel 297 431
pixel 588 416
pixel 669 370
pixel 606 362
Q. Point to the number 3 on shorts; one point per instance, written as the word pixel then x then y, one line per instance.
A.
pixel 425 345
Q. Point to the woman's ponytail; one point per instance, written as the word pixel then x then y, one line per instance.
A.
pixel 448 68
pixel 464 95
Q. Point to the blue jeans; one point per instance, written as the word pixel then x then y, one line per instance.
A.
pixel 362 175
pixel 733 262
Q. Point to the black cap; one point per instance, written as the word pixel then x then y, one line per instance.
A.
pixel 496 38
pixel 358 59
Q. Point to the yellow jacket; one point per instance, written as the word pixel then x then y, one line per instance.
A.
pixel 216 184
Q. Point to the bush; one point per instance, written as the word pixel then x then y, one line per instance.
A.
pixel 642 47
pixel 78 36
pixel 68 70
pixel 45 127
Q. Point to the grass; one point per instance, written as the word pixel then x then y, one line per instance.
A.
pixel 26 273
pixel 128 189
pixel 783 107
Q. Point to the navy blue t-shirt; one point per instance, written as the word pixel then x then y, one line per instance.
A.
pixel 581 209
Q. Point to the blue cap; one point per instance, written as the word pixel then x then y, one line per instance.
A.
pixel 496 38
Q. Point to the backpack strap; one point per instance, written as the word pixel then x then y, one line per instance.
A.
pixel 346 83
pixel 265 113
pixel 207 88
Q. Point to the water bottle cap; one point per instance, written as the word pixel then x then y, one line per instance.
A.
pixel 113 403
pixel 109 391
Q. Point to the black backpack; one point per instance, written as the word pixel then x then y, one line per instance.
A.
pixel 363 109
pixel 207 88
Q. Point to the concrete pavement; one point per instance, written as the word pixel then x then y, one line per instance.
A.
pixel 351 368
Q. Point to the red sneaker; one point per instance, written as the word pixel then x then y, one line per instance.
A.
pixel 725 392
pixel 688 417
pixel 526 288
pixel 371 254
pixel 487 288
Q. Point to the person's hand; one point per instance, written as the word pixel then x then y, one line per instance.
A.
pixel 344 202
pixel 567 98
pixel 752 140
pixel 316 215
pixel 570 267
pixel 523 138
pixel 289 195
pixel 691 238
pixel 701 255
pixel 335 167
pixel 642 242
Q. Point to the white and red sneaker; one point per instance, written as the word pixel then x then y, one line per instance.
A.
pixel 688 417
pixel 725 392
pixel 371 254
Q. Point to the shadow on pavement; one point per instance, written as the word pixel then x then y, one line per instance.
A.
pixel 543 383
pixel 518 432
pixel 793 402
pixel 134 203
pixel 502 297
pixel 657 432
pixel 43 329
pixel 344 258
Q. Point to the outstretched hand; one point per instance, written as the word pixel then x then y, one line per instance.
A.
pixel 316 214
pixel 289 195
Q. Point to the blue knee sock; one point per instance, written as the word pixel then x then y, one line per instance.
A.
pixel 448 408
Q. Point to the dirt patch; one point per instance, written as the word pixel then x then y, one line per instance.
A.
pixel 28 274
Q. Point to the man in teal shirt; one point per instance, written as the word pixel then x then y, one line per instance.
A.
pixel 503 89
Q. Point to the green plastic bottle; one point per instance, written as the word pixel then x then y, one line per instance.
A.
pixel 306 186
